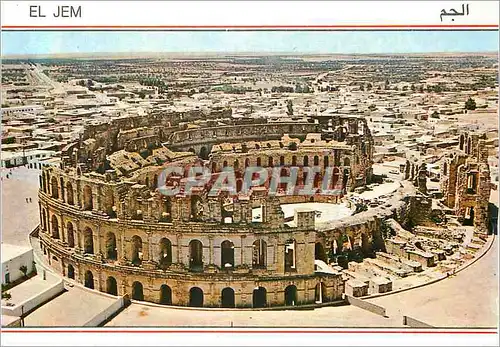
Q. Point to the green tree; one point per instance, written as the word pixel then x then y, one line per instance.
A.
pixel 470 104
pixel 435 114
pixel 24 270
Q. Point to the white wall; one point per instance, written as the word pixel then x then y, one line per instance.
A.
pixel 105 314
pixel 36 300
pixel 12 266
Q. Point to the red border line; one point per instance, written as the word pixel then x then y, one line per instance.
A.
pixel 231 331
pixel 381 26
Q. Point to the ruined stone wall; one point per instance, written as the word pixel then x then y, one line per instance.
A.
pixel 465 180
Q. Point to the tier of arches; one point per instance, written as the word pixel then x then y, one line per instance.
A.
pixel 323 161
pixel 136 255
pixel 196 295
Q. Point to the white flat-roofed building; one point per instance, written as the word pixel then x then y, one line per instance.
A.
pixel 13 257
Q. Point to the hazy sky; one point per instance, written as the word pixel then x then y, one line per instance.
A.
pixel 50 42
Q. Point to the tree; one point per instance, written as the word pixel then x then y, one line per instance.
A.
pixel 6 295
pixel 470 104
pixel 435 114
pixel 142 95
pixel 24 270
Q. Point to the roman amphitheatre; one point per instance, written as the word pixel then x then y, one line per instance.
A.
pixel 106 226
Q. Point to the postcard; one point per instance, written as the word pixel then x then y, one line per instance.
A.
pixel 247 172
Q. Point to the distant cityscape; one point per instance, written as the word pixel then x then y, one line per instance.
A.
pixel 410 140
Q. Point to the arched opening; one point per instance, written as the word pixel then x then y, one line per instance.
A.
pixel 316 160
pixel 319 252
pixel 259 298
pixel 247 162
pixel 165 252
pixel 259 161
pixel 282 160
pixel 71 235
pixel 71 272
pixel 195 297
pixel 320 293
pixel 325 161
pixel 69 194
pixel 224 163
pixel 111 286
pixel 306 161
pixel 137 291
pixel 471 183
pixel 227 254
pixel 291 295
pixel 111 249
pixel 290 256
pixel 196 208
pixel 54 188
pixel 89 279
pixel 88 201
pixel 469 216
pixel 42 183
pixel 462 140
pixel 62 187
pixel 204 153
pixel 259 254
pixel 136 250
pixel 44 220
pixel 236 164
pixel 445 168
pixel 469 145
pixel 55 227
pixel 195 255
pixel 165 295
pixel 88 241
pixel 270 162
pixel 294 160
pixel 227 298
pixel 347 162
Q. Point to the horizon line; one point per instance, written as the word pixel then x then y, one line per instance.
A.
pixel 244 53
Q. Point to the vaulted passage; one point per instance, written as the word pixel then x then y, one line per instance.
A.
pixel 111 250
pixel 291 295
pixel 196 297
pixel 137 291
pixel 165 295
pixel 71 235
pixel 290 256
pixel 88 201
pixel 89 279
pixel 136 250
pixel 259 299
pixel 227 298
pixel 111 286
pixel 69 194
pixel 165 252
pixel 88 241
pixel 227 255
pixel 195 255
pixel 320 293
pixel 319 252
pixel 259 248
pixel 54 188
pixel 55 227
pixel 71 272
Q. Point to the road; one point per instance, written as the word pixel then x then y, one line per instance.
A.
pixel 467 299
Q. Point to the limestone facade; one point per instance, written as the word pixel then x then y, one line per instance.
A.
pixel 466 182
pixel 105 224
